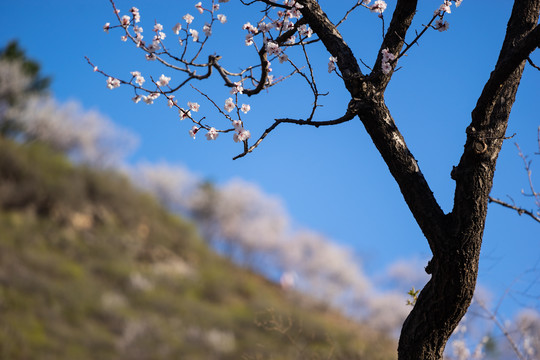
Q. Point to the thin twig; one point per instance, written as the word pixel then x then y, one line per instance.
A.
pixel 501 327
pixel 533 64
pixel 519 210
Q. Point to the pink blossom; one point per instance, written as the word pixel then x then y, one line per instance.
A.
pixel 387 55
pixel 106 27
pixel 176 28
pixel 386 67
pixel 441 26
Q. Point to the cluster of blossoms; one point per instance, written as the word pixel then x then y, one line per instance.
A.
pixel 240 134
pixel 378 6
pixel 440 24
pixel 112 83
pixel 387 57
pixel 137 81
pixel 285 21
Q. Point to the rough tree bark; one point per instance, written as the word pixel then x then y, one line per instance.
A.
pixel 454 238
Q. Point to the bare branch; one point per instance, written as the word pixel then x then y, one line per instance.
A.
pixel 502 328
pixel 519 210
pixel 533 64
pixel 358 3
pixel 349 115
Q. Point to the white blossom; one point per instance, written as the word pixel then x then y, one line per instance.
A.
pixel 195 34
pixel 229 104
pixel 184 114
pixel 193 106
pixel 193 131
pixel 212 134
pixel 207 29
pixel 189 18
pixel 245 108
pixel 163 81
pixel 112 83
pixel 378 6
pixel 199 7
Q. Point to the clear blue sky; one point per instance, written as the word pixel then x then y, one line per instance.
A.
pixel 330 179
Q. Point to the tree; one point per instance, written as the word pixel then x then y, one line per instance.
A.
pixel 454 238
pixel 20 79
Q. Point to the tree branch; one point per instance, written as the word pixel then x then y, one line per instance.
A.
pixel 510 58
pixel 330 36
pixel 519 210
pixel 349 115
pixel 395 38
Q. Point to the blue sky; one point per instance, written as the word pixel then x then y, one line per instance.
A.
pixel 330 179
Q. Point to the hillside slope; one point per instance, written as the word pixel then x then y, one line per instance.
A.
pixel 90 268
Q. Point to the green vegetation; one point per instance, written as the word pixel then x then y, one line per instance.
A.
pixel 91 268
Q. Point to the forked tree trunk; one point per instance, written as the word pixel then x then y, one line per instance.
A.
pixel 455 239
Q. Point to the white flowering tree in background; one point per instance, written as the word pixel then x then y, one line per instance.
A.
pixel 290 27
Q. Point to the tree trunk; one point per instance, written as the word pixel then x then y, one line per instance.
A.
pixel 455 239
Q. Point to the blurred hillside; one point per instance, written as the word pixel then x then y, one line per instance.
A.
pixel 91 268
